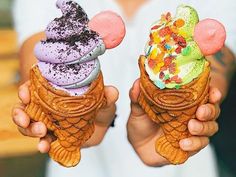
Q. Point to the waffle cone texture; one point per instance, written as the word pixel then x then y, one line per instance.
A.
pixel 70 118
pixel 172 109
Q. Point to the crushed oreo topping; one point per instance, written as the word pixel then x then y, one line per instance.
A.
pixel 73 39
pixel 64 68
pixel 83 38
pixel 73 20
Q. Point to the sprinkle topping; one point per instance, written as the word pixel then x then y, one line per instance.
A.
pixel 166 41
pixel 173 57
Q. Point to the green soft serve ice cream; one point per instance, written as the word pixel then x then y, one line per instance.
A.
pixel 173 57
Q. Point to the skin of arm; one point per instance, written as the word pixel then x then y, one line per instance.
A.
pixel 223 65
pixel 26 55
pixel 130 7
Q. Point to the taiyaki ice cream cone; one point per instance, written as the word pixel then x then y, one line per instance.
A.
pixel 67 88
pixel 175 75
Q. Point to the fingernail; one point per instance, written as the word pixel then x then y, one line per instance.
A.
pixel 218 94
pixel 41 147
pixel 37 129
pixel 186 143
pixel 21 92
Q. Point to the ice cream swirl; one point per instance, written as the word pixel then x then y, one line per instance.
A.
pixel 173 57
pixel 68 56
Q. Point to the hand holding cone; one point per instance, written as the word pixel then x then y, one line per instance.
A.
pixel 67 88
pixel 175 75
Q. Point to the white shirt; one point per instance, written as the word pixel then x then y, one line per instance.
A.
pixel 115 157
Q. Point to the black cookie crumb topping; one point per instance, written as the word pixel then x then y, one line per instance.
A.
pixel 73 19
pixel 64 68
pixel 83 38
pixel 66 71
pixel 77 12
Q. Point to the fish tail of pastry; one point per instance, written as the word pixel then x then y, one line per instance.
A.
pixel 175 130
pixel 168 144
pixel 166 149
pixel 64 156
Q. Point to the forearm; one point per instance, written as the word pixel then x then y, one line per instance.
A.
pixel 26 55
pixel 223 65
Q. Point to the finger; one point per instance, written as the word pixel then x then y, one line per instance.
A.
pixel 36 129
pixel 106 115
pixel 136 110
pixel 24 93
pixel 215 95
pixel 194 143
pixel 20 118
pixel 202 128
pixel 139 127
pixel 148 154
pixel 135 91
pixel 44 144
pixel 208 112
pixel 96 137
pixel 19 105
pixel 111 95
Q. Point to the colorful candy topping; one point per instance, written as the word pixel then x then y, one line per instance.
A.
pixel 174 58
pixel 166 41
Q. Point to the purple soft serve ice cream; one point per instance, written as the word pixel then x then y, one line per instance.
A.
pixel 68 56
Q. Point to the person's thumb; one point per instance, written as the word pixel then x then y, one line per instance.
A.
pixel 111 95
pixel 134 92
pixel 24 93
pixel 107 113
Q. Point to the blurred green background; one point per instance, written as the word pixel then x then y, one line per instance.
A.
pixel 5 13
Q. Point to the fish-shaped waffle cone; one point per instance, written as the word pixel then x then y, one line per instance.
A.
pixel 172 109
pixel 70 118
